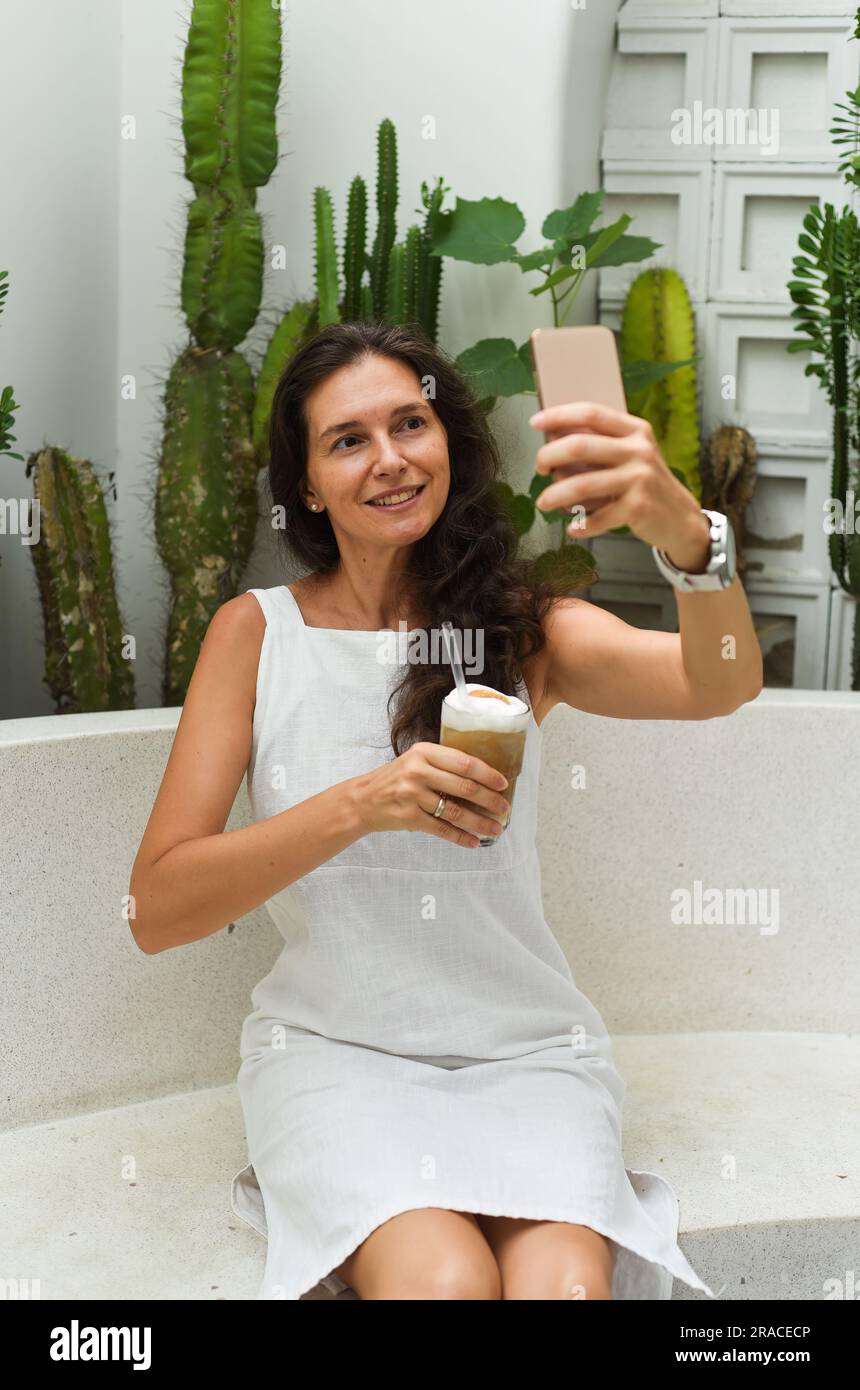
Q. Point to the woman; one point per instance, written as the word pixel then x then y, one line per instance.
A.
pixel 431 1105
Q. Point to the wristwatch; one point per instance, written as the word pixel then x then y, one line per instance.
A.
pixel 720 569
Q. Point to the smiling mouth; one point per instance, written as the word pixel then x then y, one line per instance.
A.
pixel 397 506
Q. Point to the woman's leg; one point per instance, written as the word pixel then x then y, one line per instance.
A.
pixel 549 1259
pixel 427 1253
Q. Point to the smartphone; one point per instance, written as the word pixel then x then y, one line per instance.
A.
pixel 577 364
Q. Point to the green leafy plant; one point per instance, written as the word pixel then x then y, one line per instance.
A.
pixel 825 291
pixel 8 404
pixel 485 232
pixel 400 282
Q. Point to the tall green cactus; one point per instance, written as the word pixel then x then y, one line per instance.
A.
pixel 353 251
pixel 206 495
pixel 216 422
pixel 85 668
pixel 658 326
pixel 386 214
pixel 300 323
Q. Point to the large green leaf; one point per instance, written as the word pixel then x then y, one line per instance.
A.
pixel 557 278
pixel 625 251
pixel 520 509
pixel 535 260
pixel 598 243
pixel 571 224
pixel 536 486
pixel 497 367
pixel 638 376
pixel 483 232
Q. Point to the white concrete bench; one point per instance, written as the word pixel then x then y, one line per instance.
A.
pixel 738 1042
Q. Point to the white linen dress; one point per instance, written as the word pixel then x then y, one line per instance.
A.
pixel 420 1040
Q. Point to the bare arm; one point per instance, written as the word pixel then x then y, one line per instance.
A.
pixel 191 877
pixel 602 665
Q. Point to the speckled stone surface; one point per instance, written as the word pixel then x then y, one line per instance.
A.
pixel 89 1021
pixel 767 798
pixel 757 1134
pixel 736 1043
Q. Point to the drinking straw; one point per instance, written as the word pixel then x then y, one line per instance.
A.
pixel 454 658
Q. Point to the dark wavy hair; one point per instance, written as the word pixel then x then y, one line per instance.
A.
pixel 465 568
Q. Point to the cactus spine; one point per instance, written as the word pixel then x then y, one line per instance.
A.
pixel 84 666
pixel 658 326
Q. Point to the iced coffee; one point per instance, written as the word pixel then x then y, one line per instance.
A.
pixel 491 726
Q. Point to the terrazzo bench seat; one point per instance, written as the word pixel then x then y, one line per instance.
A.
pixel 782 1225
pixel 120 1123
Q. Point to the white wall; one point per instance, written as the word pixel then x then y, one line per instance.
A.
pixel 59 95
pixel 94 224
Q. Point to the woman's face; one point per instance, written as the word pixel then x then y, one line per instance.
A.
pixel 371 431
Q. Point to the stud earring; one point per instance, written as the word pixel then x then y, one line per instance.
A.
pixel 314 507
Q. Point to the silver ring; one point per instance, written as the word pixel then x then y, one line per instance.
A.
pixel 441 806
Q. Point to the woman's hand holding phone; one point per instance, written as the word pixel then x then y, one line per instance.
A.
pixel 606 462
pixel 642 493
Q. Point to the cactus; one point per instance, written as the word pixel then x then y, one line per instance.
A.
pixel 658 326
pixel 353 251
pixel 85 669
pixel 205 509
pixel 299 324
pixel 326 258
pixel 206 504
pixel 386 213
pixel 728 473
pixel 430 264
pixel 405 276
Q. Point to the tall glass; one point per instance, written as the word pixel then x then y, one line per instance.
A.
pixel 493 727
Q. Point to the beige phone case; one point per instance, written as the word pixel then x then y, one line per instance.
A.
pixel 577 364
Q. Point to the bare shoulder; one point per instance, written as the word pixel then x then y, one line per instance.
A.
pixel 240 615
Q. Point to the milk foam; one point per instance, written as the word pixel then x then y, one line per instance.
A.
pixel 507 714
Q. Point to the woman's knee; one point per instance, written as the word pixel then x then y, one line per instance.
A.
pixel 551 1260
pixel 456 1274
pixel 429 1253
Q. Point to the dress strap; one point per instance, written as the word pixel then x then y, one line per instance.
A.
pixel 277 604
